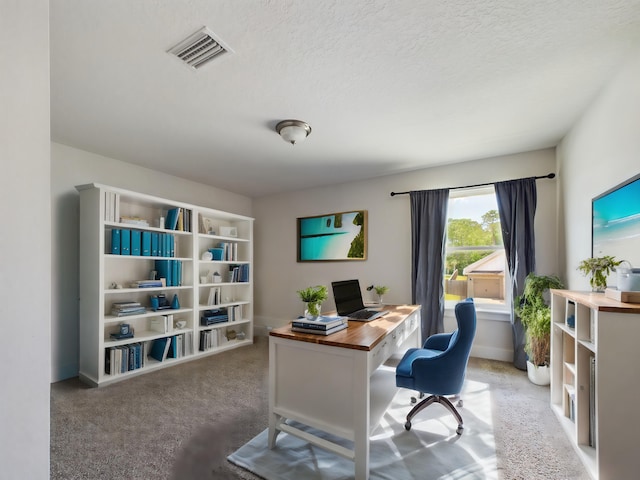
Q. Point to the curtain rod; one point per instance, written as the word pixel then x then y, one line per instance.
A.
pixel 550 175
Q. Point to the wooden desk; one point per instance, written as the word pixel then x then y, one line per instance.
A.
pixel 333 383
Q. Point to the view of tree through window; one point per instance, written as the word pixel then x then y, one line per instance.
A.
pixel 474 262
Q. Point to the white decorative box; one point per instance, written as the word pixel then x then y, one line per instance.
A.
pixel 628 279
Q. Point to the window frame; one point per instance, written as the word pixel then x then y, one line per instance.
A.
pixel 496 311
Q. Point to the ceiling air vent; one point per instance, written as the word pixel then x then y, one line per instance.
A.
pixel 200 48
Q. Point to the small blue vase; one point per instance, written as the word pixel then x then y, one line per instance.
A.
pixel 175 303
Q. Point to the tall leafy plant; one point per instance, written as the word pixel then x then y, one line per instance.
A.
pixel 535 313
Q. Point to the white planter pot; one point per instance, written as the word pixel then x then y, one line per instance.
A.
pixel 539 375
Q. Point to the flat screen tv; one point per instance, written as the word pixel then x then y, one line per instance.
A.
pixel 616 222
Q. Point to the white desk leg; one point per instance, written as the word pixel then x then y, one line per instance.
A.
pixel 274 430
pixel 361 407
pixel 274 419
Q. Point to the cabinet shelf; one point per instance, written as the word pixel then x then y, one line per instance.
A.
pixel 224 239
pixel 222 305
pixel 223 324
pixel 101 208
pixel 591 379
pixel 145 257
pixel 149 313
pixel 116 291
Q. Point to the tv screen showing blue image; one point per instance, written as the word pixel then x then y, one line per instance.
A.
pixel 616 222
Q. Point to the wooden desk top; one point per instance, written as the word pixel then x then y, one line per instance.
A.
pixel 598 301
pixel 358 335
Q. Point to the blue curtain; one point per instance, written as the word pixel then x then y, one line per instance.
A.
pixel 428 233
pixel 517 207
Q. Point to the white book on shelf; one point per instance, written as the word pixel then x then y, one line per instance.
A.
pixel 169 321
pixel 159 324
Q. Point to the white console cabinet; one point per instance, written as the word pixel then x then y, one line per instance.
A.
pixel 595 380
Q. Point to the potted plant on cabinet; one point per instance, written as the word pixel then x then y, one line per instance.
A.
pixel 313 298
pixel 535 313
pixel 599 268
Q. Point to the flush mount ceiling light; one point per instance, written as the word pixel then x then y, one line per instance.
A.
pixel 293 131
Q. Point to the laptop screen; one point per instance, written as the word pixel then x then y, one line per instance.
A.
pixel 348 296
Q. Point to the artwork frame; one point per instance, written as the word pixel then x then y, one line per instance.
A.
pixel 332 237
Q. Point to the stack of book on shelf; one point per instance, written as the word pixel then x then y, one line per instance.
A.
pixel 235 313
pixel 122 309
pixel 125 358
pixel 162 324
pixel 214 296
pixel 146 284
pixel 323 325
pixel 229 251
pixel 171 271
pixel 111 206
pixel 209 339
pixel 216 315
pixel 141 222
pixel 178 219
pixel 127 241
pixel 239 273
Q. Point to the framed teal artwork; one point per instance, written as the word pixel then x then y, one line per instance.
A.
pixel 333 237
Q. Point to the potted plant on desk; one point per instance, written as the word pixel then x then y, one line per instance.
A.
pixel 535 313
pixel 313 298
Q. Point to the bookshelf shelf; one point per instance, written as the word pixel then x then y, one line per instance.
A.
pixel 169 236
pixel 592 378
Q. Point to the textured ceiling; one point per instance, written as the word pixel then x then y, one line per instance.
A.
pixel 387 86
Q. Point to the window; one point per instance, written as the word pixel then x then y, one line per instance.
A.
pixel 475 262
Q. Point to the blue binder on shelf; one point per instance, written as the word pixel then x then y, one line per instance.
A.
pixel 172 245
pixel 172 219
pixel 136 242
pixel 125 241
pixel 154 244
pixel 164 269
pixel 115 241
pixel 146 244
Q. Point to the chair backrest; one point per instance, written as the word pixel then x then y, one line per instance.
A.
pixel 445 374
pixel 466 318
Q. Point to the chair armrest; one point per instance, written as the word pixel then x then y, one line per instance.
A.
pixel 439 341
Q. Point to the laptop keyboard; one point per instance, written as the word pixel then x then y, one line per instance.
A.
pixel 362 314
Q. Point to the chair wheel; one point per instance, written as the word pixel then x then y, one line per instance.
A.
pixel 459 430
pixel 460 404
pixel 407 426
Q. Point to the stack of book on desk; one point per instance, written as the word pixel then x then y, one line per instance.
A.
pixel 323 325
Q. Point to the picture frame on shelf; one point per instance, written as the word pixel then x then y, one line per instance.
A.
pixel 340 236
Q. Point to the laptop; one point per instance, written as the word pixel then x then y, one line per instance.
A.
pixel 348 297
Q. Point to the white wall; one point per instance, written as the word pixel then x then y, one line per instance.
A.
pixel 25 274
pixel 278 275
pixel 601 151
pixel 71 167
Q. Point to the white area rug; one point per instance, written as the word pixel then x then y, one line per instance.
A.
pixel 430 450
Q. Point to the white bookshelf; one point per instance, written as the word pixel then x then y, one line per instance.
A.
pixel 106 277
pixel 596 406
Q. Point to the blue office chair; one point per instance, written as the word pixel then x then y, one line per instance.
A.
pixel 438 368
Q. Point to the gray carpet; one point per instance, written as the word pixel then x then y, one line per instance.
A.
pixel 182 422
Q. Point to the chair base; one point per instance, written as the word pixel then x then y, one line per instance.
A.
pixel 444 401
